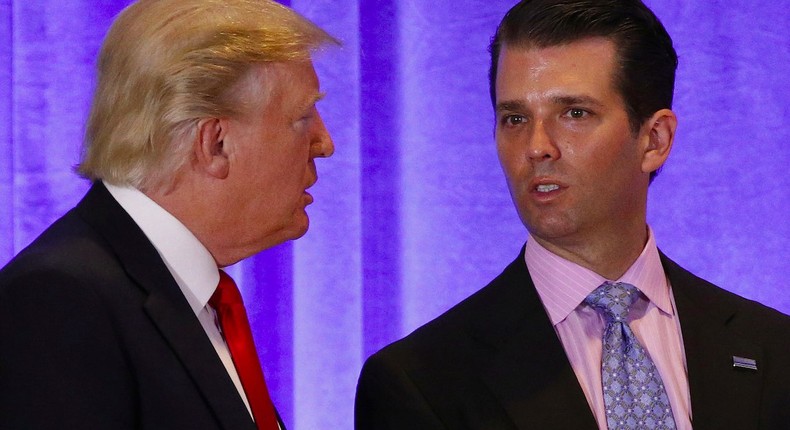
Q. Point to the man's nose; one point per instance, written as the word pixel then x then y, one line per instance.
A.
pixel 323 146
pixel 541 144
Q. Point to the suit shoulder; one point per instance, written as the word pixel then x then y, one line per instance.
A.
pixel 493 309
pixel 752 315
pixel 69 264
pixel 755 318
pixel 67 248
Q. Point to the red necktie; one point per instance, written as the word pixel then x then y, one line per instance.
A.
pixel 228 304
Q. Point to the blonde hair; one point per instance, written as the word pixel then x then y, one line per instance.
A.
pixel 166 64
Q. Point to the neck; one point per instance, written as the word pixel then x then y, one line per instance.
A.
pixel 610 257
pixel 190 209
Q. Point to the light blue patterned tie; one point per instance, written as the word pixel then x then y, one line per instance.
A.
pixel 633 393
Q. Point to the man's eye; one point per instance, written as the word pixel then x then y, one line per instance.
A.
pixel 511 120
pixel 577 113
pixel 306 117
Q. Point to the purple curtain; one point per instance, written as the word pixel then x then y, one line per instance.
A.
pixel 412 213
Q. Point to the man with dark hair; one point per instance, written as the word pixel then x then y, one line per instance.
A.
pixel 591 326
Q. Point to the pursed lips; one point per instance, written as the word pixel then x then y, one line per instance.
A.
pixel 312 181
pixel 308 195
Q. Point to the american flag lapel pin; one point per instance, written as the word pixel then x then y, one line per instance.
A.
pixel 744 363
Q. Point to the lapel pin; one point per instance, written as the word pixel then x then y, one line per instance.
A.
pixel 744 363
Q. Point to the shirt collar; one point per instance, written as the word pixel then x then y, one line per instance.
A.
pixel 563 285
pixel 190 263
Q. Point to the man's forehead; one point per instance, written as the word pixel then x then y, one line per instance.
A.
pixel 588 43
pixel 589 55
pixel 579 72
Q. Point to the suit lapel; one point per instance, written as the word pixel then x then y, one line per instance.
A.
pixel 722 396
pixel 530 374
pixel 166 306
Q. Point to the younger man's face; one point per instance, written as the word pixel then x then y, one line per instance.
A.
pixel 573 165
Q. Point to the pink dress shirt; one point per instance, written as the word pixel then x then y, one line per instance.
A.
pixel 563 286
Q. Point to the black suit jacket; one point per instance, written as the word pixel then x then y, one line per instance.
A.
pixel 494 361
pixel 96 334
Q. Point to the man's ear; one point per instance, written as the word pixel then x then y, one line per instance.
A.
pixel 660 135
pixel 211 155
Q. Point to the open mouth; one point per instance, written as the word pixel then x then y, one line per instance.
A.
pixel 546 188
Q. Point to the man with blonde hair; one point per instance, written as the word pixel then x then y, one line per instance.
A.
pixel 200 145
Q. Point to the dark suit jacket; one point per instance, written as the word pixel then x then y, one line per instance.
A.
pixel 494 361
pixel 96 334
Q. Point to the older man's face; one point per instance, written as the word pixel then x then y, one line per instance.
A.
pixel 272 151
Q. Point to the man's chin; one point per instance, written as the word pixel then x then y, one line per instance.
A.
pixel 299 234
pixel 299 227
pixel 287 233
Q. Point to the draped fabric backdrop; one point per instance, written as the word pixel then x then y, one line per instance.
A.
pixel 412 213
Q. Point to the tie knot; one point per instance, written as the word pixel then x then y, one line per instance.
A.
pixel 226 294
pixel 613 299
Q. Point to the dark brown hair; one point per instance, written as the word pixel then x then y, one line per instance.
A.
pixel 645 77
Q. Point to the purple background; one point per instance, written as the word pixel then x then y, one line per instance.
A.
pixel 412 213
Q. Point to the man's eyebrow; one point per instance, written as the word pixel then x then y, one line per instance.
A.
pixel 510 105
pixel 575 100
pixel 316 98
pixel 563 100
pixel 312 101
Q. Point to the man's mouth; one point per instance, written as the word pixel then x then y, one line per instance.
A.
pixel 545 188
